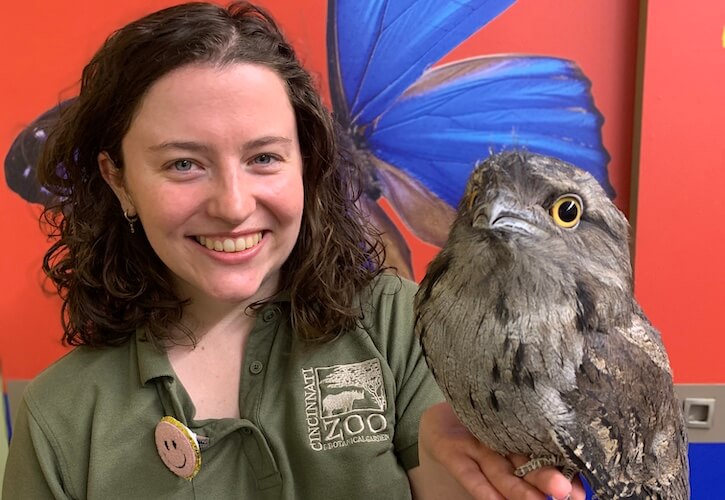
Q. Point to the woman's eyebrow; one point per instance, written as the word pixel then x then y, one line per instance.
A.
pixel 192 146
pixel 198 147
pixel 266 141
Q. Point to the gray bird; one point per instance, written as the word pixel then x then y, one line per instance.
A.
pixel 529 325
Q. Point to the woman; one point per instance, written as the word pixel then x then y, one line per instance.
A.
pixel 237 336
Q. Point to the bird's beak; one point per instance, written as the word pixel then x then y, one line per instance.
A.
pixel 506 215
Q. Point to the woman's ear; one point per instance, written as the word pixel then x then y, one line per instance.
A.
pixel 114 178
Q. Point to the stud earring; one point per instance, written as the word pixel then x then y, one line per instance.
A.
pixel 131 219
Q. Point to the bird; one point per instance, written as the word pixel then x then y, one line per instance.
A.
pixel 529 324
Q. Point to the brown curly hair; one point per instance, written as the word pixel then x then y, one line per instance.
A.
pixel 112 282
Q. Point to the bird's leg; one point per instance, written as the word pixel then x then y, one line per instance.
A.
pixel 539 462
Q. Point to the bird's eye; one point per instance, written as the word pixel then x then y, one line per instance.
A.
pixel 567 211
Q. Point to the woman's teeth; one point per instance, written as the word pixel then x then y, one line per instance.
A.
pixel 230 245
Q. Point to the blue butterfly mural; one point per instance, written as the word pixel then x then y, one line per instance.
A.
pixel 416 128
pixel 419 130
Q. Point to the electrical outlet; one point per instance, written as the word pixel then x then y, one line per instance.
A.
pixel 699 412
pixel 704 420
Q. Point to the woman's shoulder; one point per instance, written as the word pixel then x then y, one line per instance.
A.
pixel 78 375
pixel 391 287
pixel 388 311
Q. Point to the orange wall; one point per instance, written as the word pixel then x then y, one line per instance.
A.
pixel 45 45
pixel 680 213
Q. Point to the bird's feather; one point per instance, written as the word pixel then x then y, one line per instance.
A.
pixel 642 440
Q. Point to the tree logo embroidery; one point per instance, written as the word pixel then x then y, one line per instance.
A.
pixel 345 405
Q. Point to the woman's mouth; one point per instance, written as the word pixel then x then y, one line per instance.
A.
pixel 230 245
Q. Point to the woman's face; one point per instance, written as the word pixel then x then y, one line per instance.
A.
pixel 212 166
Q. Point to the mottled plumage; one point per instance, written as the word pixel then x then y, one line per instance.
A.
pixel 532 331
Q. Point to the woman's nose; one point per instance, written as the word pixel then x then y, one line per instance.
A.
pixel 232 198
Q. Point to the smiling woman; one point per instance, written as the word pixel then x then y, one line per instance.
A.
pixel 236 334
pixel 212 154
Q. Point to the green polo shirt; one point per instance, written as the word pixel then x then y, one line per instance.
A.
pixel 332 420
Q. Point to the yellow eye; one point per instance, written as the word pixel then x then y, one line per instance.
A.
pixel 567 211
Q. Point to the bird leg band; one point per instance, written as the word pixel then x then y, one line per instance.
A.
pixel 539 462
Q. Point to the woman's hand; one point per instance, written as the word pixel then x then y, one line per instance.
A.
pixel 446 447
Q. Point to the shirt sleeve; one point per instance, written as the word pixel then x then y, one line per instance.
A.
pixel 32 469
pixel 416 389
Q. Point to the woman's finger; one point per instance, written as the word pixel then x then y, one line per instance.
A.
pixel 475 482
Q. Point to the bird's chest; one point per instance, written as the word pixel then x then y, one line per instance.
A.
pixel 513 340
pixel 504 364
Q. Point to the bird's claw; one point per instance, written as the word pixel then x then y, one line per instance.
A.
pixel 539 462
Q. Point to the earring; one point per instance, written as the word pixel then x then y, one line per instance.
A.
pixel 131 219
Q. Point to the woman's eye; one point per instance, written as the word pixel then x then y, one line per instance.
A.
pixel 183 165
pixel 264 159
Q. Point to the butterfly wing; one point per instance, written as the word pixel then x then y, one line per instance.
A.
pixel 378 48
pixel 24 154
pixel 423 130
pixel 456 114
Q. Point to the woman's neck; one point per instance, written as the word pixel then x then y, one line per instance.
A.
pixel 210 369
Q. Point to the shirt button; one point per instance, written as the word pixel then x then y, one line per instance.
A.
pixel 246 430
pixel 256 367
pixel 269 315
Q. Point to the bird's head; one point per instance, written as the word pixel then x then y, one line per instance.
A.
pixel 546 211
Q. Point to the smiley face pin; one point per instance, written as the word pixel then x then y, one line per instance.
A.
pixel 178 448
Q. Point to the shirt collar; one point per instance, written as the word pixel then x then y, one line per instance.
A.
pixel 152 361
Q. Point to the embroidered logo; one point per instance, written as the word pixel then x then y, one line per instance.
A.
pixel 345 405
